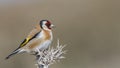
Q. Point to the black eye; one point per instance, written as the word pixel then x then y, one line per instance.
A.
pixel 48 24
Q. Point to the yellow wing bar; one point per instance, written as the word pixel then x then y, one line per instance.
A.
pixel 25 42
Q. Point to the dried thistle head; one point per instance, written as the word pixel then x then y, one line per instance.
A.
pixel 50 56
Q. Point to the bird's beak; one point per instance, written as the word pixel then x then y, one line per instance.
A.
pixel 52 26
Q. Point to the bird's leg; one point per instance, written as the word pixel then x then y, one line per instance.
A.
pixel 36 53
pixel 37 57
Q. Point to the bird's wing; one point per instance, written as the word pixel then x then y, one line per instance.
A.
pixel 35 30
pixel 31 35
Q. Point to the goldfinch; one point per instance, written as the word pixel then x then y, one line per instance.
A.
pixel 38 39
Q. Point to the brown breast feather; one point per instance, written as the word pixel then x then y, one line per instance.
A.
pixel 47 35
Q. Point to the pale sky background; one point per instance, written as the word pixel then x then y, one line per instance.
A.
pixel 90 28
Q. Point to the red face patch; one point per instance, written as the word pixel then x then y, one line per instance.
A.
pixel 48 24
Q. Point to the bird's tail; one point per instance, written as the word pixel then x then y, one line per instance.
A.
pixel 13 53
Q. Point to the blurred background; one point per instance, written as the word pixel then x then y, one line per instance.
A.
pixel 90 28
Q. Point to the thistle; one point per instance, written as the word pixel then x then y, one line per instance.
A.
pixel 47 57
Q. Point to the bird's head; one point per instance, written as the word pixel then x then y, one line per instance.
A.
pixel 46 25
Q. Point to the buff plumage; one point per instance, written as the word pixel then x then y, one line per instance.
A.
pixel 39 38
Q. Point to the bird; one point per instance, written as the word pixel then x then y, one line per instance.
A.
pixel 40 38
